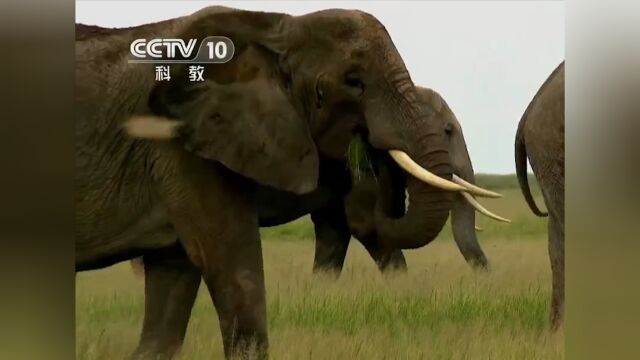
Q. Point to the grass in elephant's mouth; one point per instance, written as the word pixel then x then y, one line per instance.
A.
pixel 439 310
pixel 358 160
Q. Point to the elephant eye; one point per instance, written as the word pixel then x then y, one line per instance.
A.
pixel 448 129
pixel 354 83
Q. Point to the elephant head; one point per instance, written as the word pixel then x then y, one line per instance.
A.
pixel 374 190
pixel 299 88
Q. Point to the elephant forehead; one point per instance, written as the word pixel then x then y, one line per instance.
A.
pixel 431 98
pixel 347 25
pixel 343 18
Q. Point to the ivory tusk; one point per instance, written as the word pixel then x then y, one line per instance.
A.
pixel 421 173
pixel 474 189
pixel 151 127
pixel 481 209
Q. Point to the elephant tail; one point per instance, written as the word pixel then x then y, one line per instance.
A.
pixel 521 168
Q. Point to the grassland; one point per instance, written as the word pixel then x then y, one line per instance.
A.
pixel 441 309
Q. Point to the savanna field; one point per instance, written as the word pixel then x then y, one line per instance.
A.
pixel 440 309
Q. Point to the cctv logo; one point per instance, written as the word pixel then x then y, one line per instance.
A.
pixel 212 50
pixel 162 48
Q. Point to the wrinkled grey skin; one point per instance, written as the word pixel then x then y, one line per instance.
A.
pixel 270 116
pixel 360 202
pixel 540 138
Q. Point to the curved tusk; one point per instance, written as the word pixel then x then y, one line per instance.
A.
pixel 421 173
pixel 478 228
pixel 481 209
pixel 151 127
pixel 474 189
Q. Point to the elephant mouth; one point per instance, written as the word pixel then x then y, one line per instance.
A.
pixel 361 155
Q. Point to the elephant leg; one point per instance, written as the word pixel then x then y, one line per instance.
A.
pixel 387 261
pixel 556 257
pixel 237 291
pixel 171 286
pixel 215 215
pixel 332 238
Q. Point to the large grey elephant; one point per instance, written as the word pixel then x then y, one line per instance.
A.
pixel 169 170
pixel 326 204
pixel 540 138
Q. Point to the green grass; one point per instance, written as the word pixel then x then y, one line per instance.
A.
pixel 301 229
pixel 440 309
pixel 507 181
pixel 391 311
pixel 358 159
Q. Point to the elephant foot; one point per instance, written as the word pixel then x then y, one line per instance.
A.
pixel 394 263
pixel 161 349
pixel 480 264
pixel 557 314
pixel 556 323
pixel 329 271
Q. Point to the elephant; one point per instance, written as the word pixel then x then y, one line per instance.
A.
pixel 168 170
pixel 540 138
pixel 326 205
pixel 360 203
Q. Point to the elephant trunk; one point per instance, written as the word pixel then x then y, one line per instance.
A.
pixel 396 121
pixel 426 215
pixel 463 219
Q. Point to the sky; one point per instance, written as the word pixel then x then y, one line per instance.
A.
pixel 486 58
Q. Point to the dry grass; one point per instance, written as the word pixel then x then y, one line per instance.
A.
pixel 439 310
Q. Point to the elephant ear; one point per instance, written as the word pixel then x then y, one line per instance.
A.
pixel 242 116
